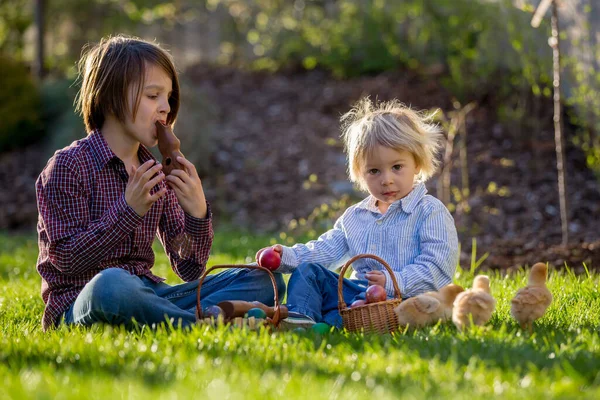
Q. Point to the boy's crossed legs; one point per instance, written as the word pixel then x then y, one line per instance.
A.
pixel 116 297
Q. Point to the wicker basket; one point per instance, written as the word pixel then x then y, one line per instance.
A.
pixel 374 317
pixel 251 322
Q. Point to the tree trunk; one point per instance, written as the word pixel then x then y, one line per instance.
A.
pixel 558 137
pixel 38 66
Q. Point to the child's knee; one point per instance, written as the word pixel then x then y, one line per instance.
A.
pixel 264 281
pixel 305 270
pixel 113 287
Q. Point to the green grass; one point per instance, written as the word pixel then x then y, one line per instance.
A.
pixel 561 359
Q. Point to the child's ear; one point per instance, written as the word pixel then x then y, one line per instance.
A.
pixel 417 165
pixel 418 169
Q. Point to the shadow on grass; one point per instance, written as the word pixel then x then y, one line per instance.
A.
pixel 505 347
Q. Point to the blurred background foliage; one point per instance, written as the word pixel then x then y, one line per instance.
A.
pixel 475 47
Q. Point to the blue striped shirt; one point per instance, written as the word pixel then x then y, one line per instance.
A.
pixel 416 237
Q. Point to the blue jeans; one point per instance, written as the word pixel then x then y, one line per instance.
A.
pixel 313 291
pixel 116 297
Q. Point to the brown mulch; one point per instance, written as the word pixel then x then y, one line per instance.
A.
pixel 269 133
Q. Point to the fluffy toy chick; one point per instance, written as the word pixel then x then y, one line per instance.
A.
pixel 427 308
pixel 476 305
pixel 531 302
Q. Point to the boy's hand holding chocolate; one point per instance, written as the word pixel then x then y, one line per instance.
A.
pixel 169 146
pixel 188 188
pixel 181 174
pixel 141 181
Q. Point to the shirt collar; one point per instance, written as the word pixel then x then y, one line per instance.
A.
pixel 407 204
pixel 414 197
pixel 103 154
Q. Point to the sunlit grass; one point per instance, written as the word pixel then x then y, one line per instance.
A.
pixel 561 359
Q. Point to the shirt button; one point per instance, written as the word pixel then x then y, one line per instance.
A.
pixel 378 222
pixel 373 247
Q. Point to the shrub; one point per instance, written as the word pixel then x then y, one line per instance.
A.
pixel 61 124
pixel 471 42
pixel 20 122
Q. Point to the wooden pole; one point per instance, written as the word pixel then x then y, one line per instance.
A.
pixel 444 180
pixel 464 165
pixel 554 42
pixel 539 12
pixel 558 136
pixel 38 67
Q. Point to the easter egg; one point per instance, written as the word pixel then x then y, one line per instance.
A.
pixel 213 312
pixel 320 328
pixel 256 313
pixel 375 294
pixel 358 303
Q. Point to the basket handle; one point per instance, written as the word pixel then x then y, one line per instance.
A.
pixel 341 303
pixel 277 314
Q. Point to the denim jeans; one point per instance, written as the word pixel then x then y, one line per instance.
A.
pixel 116 297
pixel 313 291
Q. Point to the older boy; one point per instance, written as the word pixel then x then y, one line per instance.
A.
pixel 102 200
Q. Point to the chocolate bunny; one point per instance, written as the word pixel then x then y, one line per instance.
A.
pixel 169 146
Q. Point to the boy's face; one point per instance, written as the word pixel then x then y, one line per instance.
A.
pixel 389 175
pixel 154 106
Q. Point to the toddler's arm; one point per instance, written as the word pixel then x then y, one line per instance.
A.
pixel 329 248
pixel 434 267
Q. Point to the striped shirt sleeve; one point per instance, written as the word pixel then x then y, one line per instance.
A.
pixel 327 250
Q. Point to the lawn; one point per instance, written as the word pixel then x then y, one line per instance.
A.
pixel 561 359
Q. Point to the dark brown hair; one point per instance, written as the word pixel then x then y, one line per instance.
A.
pixel 109 68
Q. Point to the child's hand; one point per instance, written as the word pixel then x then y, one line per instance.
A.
pixel 376 278
pixel 188 188
pixel 140 183
pixel 276 247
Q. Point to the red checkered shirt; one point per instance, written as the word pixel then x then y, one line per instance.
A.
pixel 85 225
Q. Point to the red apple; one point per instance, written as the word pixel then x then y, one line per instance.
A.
pixel 375 294
pixel 258 253
pixel 269 259
pixel 358 303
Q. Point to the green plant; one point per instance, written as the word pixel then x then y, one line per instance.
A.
pixel 15 18
pixel 470 41
pixel 61 124
pixel 19 106
pixel 559 360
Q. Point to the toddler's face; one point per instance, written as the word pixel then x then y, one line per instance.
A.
pixel 389 175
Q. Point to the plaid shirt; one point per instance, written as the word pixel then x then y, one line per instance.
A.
pixel 85 225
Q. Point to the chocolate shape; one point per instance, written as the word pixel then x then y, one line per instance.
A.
pixel 239 308
pixel 169 147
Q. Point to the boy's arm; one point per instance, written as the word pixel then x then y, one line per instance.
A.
pixel 76 243
pixel 186 239
pixel 329 248
pixel 435 265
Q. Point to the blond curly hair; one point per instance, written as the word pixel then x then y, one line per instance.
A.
pixel 394 125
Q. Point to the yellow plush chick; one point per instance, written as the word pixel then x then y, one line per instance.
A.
pixel 476 304
pixel 531 302
pixel 427 308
